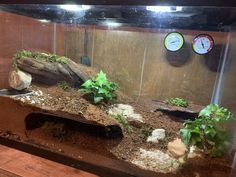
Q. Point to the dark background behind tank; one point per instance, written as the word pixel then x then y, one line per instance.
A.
pixel 141 68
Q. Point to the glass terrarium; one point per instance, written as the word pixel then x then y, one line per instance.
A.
pixel 122 90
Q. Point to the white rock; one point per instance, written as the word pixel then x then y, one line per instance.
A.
pixel 192 149
pixel 193 152
pixel 127 111
pixel 32 102
pixel 157 134
pixel 22 99
pixel 177 148
pixel 19 80
pixel 155 160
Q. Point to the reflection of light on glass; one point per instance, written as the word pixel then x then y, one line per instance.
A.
pixel 44 21
pixel 85 7
pixel 113 24
pixel 160 9
pixel 74 7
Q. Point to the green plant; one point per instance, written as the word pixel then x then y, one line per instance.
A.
pixel 19 55
pixel 63 85
pixel 100 88
pixel 62 60
pixel 177 102
pixel 146 131
pixel 40 56
pixel 209 131
pixel 122 120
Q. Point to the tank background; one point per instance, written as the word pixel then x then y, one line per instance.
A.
pixel 134 57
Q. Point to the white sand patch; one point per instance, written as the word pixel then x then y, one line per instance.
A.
pixel 126 110
pixel 155 160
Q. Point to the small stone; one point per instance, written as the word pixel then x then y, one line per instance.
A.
pixel 177 148
pixel 157 134
pixel 32 102
pixel 193 153
pixel 22 100
pixel 127 111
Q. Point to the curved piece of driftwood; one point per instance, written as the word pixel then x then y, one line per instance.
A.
pixel 51 73
pixel 189 112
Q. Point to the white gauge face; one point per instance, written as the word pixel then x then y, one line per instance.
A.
pixel 203 44
pixel 174 41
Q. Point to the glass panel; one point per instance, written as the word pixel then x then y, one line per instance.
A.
pixel 169 63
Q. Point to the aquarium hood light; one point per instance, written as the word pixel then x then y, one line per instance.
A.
pixel 74 8
pixel 113 24
pixel 44 20
pixel 161 9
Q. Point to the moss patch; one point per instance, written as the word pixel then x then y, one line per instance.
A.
pixel 39 56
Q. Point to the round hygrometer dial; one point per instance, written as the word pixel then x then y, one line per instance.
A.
pixel 202 44
pixel 174 41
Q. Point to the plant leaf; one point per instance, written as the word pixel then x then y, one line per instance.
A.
pixel 87 84
pixel 97 99
pixel 186 135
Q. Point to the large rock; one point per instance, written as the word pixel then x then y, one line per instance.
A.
pixel 157 134
pixel 127 111
pixel 177 148
pixel 19 80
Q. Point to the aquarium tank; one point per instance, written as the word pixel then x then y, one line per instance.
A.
pixel 121 89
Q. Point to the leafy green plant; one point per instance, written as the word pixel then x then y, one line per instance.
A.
pixel 209 131
pixel 177 102
pixel 100 88
pixel 63 85
pixel 122 120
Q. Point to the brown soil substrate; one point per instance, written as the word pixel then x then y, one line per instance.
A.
pixel 70 105
pixel 92 139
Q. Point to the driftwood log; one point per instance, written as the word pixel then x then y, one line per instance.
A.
pixel 51 73
pixel 190 112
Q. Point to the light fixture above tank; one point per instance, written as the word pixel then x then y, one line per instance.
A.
pixel 74 7
pixel 162 9
pixel 44 20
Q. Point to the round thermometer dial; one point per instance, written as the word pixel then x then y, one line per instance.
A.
pixel 174 41
pixel 202 44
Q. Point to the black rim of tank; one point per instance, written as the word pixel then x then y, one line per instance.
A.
pixel 219 3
